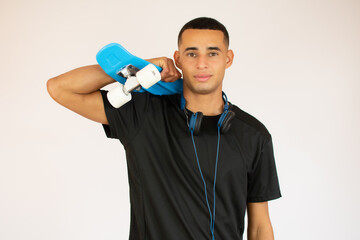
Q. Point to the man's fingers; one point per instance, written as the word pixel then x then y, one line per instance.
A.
pixel 169 72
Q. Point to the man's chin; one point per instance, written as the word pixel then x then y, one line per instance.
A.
pixel 202 90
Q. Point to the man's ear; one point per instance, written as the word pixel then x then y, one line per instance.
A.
pixel 177 59
pixel 229 58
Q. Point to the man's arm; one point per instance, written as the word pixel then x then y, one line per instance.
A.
pixel 78 90
pixel 259 225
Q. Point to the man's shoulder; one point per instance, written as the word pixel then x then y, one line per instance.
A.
pixel 165 100
pixel 250 121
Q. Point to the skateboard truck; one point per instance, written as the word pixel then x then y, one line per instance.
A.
pixel 129 72
pixel 135 79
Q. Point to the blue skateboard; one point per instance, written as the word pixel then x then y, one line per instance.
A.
pixel 133 74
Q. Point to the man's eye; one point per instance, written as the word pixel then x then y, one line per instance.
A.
pixel 212 54
pixel 191 54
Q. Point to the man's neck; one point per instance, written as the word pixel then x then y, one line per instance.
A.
pixel 209 104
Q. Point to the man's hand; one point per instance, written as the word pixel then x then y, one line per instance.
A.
pixel 169 72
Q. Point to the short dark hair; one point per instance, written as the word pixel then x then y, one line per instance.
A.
pixel 205 23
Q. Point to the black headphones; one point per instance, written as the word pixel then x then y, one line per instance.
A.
pixel 223 126
pixel 195 121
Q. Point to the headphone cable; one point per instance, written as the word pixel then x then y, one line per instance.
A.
pixel 212 216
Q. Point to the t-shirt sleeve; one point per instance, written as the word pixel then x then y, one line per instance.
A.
pixel 263 183
pixel 125 122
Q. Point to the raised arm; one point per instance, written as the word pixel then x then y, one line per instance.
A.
pixel 78 90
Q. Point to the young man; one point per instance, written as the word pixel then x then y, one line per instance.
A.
pixel 173 171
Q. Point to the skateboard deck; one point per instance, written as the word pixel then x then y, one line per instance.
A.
pixel 113 57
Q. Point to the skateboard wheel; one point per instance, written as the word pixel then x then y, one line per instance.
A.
pixel 117 97
pixel 148 76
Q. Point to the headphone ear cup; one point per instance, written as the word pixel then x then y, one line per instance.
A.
pixel 226 123
pixel 197 123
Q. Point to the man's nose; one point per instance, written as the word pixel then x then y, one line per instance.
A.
pixel 202 61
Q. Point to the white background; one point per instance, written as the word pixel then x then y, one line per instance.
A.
pixel 296 69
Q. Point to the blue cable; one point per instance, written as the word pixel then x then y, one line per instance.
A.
pixel 217 158
pixel 212 216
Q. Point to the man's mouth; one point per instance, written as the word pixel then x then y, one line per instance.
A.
pixel 202 77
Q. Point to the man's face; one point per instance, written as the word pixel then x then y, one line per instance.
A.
pixel 203 57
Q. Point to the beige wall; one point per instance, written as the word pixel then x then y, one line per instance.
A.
pixel 296 68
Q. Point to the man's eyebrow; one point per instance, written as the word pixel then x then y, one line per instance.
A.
pixel 214 48
pixel 191 49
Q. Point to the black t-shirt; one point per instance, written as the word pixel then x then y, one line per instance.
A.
pixel 166 190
